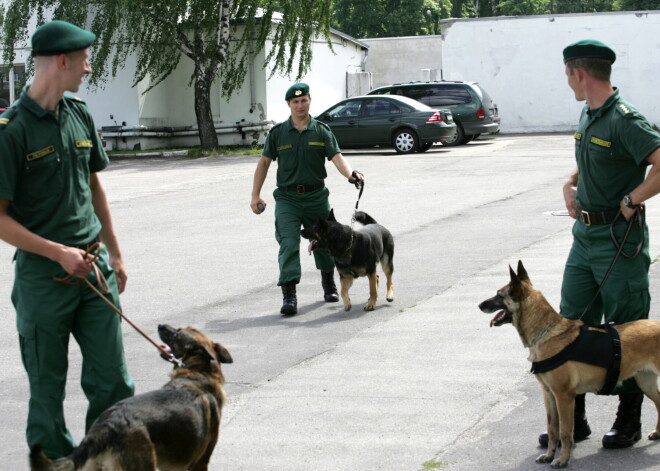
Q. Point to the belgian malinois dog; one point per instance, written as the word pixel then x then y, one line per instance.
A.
pixel 547 333
pixel 174 428
pixel 356 252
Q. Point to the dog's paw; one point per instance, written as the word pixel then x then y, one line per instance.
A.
pixel 558 463
pixel 545 458
pixel 655 435
pixel 390 299
pixel 347 307
pixel 369 307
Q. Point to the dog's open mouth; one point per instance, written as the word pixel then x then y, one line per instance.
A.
pixel 502 317
pixel 312 245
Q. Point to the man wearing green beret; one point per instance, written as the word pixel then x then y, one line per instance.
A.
pixel 614 147
pixel 54 210
pixel 301 145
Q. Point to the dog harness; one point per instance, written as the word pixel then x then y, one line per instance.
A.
pixel 598 346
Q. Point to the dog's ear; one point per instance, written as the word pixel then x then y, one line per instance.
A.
pixel 331 216
pixel 513 275
pixel 522 273
pixel 222 354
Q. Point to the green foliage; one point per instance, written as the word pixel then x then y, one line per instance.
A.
pixel 385 18
pixel 160 32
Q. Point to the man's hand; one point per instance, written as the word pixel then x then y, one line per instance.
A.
pixel 117 265
pixel 357 176
pixel 570 192
pixel 257 205
pixel 75 261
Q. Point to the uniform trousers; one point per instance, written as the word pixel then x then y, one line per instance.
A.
pixel 625 297
pixel 47 313
pixel 293 211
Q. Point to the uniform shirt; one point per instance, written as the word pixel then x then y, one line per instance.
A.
pixel 300 155
pixel 45 165
pixel 611 146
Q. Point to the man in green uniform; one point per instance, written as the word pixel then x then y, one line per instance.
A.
pixel 301 146
pixel 52 208
pixel 614 145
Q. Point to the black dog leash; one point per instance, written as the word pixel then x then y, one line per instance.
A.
pixel 360 186
pixel 638 217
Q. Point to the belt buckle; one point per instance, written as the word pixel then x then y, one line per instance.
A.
pixel 300 188
pixel 586 218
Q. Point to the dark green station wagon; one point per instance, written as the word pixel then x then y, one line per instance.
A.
pixel 472 108
pixel 388 121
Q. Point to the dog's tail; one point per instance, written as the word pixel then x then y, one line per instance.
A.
pixel 364 218
pixel 40 462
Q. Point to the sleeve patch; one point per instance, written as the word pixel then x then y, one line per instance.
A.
pixel 84 143
pixel 578 136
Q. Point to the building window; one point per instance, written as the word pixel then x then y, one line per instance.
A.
pixel 12 80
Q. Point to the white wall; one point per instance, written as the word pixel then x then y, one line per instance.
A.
pixel 326 79
pixel 519 62
pixel 397 60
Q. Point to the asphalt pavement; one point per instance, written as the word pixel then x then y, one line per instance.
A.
pixel 418 384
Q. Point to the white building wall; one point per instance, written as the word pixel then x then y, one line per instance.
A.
pixel 519 62
pixel 397 60
pixel 326 78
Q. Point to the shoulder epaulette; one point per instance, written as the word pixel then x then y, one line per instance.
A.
pixel 75 99
pixel 7 116
pixel 324 125
pixel 625 110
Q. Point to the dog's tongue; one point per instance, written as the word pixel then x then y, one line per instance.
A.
pixel 166 348
pixel 498 317
pixel 310 247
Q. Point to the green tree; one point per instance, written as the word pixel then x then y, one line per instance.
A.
pixel 160 32
pixel 387 18
pixel 635 5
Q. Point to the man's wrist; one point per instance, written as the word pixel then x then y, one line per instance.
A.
pixel 628 202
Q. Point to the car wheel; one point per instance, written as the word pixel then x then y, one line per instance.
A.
pixel 457 139
pixel 405 141
pixel 424 147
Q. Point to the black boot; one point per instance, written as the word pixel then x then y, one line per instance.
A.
pixel 329 289
pixel 581 429
pixel 627 428
pixel 290 303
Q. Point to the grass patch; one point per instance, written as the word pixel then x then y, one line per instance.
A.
pixel 435 465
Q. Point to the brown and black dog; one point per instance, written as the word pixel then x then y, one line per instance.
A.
pixel 546 333
pixel 174 428
pixel 356 252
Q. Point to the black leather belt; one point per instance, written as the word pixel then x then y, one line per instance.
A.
pixel 303 188
pixel 597 218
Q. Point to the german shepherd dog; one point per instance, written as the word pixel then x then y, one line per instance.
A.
pixel 356 253
pixel 174 428
pixel 546 333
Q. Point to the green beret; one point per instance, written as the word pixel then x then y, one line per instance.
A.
pixel 57 37
pixel 588 49
pixel 296 90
